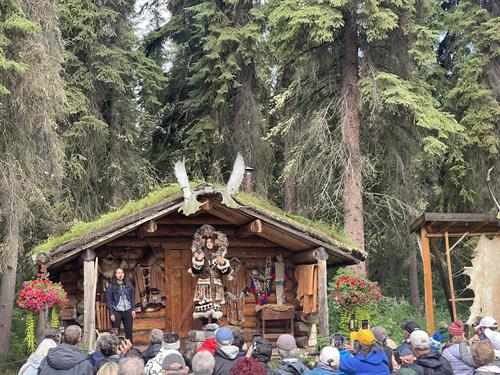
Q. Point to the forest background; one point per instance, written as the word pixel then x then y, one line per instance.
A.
pixel 360 113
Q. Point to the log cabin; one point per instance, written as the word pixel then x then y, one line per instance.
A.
pixel 150 237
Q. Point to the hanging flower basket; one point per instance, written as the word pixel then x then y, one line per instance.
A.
pixel 352 296
pixel 36 296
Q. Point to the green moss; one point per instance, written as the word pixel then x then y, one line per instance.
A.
pixel 173 190
pixel 324 228
pixel 83 228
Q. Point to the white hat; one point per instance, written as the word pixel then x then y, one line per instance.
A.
pixel 487 322
pixel 420 340
pixel 330 356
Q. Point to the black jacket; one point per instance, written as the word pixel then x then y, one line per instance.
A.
pixel 151 352
pixel 225 358
pixel 114 292
pixel 65 359
pixel 432 363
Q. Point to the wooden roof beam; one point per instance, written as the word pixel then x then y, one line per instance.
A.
pixel 310 256
pixel 251 229
pixel 444 228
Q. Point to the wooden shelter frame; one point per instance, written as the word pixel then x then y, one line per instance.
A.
pixel 430 227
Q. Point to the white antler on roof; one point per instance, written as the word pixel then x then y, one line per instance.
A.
pixel 234 182
pixel 237 175
pixel 190 204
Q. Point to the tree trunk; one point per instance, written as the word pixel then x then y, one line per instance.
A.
pixel 400 43
pixel 111 117
pixel 8 287
pixel 410 242
pixel 247 129
pixel 353 186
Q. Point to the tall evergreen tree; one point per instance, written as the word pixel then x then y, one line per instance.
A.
pixel 470 54
pixel 30 154
pixel 214 89
pixel 103 70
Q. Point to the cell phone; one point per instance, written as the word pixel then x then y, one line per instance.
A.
pixel 397 357
pixel 338 341
pixel 351 325
pixel 364 324
pixel 121 338
pixel 466 331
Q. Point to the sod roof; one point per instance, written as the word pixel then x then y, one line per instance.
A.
pixel 168 200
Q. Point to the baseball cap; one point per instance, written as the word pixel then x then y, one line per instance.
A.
pixel 224 336
pixel 173 362
pixel 380 333
pixel 487 322
pixel 420 339
pixel 409 326
pixel 330 356
pixel 364 336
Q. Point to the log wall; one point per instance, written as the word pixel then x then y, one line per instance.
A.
pixel 174 233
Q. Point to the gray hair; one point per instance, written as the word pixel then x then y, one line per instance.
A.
pixel 109 368
pixel 203 363
pixel 131 366
pixel 285 354
pixel 72 334
pixel 107 344
pixel 156 336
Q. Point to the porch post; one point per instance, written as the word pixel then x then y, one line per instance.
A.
pixel 426 259
pixel 90 263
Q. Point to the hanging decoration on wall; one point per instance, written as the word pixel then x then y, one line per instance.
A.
pixel 256 289
pixel 269 276
pixel 279 269
pixel 209 264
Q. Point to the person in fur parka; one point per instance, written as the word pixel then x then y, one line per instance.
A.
pixel 209 264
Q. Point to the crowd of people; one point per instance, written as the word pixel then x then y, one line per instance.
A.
pixel 365 352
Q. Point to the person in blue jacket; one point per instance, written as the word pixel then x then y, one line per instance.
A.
pixel 338 341
pixel 370 358
pixel 329 360
pixel 120 302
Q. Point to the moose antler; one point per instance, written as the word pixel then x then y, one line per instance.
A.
pixel 234 182
pixel 488 179
pixel 190 205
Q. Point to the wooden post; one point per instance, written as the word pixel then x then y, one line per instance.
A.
pixel 442 274
pixel 426 259
pixel 89 288
pixel 323 293
pixel 450 276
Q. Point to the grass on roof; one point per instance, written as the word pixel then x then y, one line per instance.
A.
pixel 321 226
pixel 83 228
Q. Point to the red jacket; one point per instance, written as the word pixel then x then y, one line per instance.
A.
pixel 209 345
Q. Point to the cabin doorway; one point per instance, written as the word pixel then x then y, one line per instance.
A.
pixel 180 291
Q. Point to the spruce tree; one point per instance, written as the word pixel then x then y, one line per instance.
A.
pixel 103 69
pixel 30 151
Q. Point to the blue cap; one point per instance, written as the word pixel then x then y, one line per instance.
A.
pixel 224 336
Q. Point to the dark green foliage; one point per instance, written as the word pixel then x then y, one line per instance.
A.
pixel 103 70
pixel 13 25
